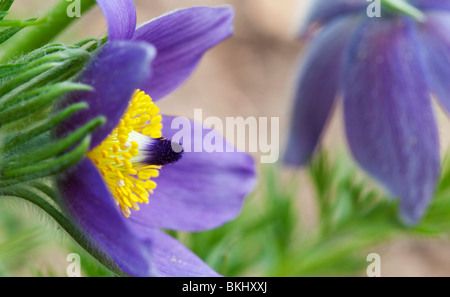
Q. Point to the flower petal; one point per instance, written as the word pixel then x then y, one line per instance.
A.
pixel 115 74
pixel 92 208
pixel 317 88
pixel 204 189
pixel 171 258
pixel 431 4
pixel 181 38
pixel 388 113
pixel 121 18
pixel 323 11
pixel 436 41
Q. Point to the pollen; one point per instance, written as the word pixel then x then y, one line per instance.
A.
pixel 117 157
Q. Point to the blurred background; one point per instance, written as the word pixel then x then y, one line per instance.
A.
pixel 250 74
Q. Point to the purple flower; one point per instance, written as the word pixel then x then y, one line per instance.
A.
pixel 132 169
pixel 385 70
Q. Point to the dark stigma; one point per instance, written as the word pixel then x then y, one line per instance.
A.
pixel 164 151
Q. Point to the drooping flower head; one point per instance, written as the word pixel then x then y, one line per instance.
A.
pixel 385 69
pixel 135 181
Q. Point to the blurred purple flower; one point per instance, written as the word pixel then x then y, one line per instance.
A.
pixel 385 70
pixel 201 191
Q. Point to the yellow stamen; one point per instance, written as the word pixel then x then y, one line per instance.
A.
pixel 129 182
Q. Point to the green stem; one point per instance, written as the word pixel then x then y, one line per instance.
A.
pixel 56 21
pixel 404 7
pixel 30 195
pixel 26 23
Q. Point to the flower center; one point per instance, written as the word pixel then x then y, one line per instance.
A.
pixel 134 152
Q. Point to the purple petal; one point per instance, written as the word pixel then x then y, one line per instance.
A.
pixel 115 74
pixel 170 258
pixel 121 18
pixel 91 206
pixel 181 38
pixel 324 10
pixel 318 84
pixel 431 4
pixel 202 190
pixel 435 36
pixel 388 114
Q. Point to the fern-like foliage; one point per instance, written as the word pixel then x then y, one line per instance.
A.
pixel 9 28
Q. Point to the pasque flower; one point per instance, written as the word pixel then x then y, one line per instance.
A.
pixel 385 70
pixel 134 181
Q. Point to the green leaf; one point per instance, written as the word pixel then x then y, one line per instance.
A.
pixel 54 68
pixel 10 32
pixel 53 148
pixel 5 5
pixel 40 128
pixel 42 31
pixel 36 100
pixel 14 26
pixel 10 69
pixel 44 169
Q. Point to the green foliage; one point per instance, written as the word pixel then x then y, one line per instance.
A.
pixel 38 33
pixel 30 88
pixel 20 240
pixel 269 238
pixel 26 242
pixel 5 5
pixel 353 216
pixel 31 153
pixel 8 28
pixel 437 219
